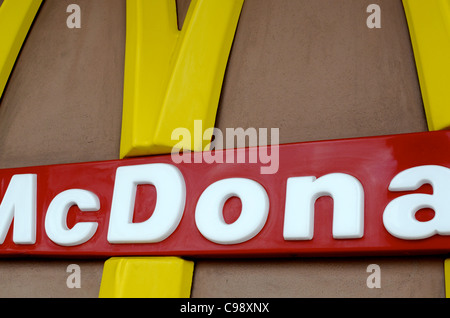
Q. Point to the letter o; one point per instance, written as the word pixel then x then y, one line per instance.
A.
pixel 209 211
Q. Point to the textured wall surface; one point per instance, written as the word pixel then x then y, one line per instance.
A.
pixel 311 68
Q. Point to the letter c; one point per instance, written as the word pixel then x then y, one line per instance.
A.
pixel 56 218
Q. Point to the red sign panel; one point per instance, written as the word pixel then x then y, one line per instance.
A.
pixel 389 196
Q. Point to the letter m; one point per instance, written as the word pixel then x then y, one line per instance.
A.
pixel 19 203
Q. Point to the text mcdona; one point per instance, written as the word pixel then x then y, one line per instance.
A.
pixel 19 207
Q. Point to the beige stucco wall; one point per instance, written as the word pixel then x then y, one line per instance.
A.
pixel 309 67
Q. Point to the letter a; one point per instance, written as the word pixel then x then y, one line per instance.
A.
pixel 399 215
pixel 374 279
pixel 374 20
pixel 74 279
pixel 74 19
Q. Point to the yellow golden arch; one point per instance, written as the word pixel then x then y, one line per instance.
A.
pixel 429 26
pixel 174 77
pixel 16 18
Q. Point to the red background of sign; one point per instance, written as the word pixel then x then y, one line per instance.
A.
pixel 374 161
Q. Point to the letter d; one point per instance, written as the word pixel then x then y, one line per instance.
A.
pixel 171 191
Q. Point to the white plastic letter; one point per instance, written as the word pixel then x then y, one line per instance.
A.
pixel 399 215
pixel 56 218
pixel 19 203
pixel 209 211
pixel 171 192
pixel 348 211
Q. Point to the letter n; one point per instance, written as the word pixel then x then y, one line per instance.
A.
pixel 348 210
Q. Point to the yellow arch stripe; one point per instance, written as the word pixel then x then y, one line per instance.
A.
pixel 173 77
pixel 16 17
pixel 429 26
pixel 447 277
pixel 146 277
